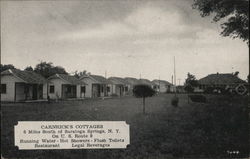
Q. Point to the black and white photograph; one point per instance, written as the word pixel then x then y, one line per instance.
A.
pixel 124 79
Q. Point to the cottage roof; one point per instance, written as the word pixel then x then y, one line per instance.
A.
pixel 161 82
pixel 118 80
pixel 146 82
pixel 221 79
pixel 99 79
pixel 26 76
pixel 71 79
pixel 132 81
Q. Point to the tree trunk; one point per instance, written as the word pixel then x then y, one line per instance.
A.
pixel 143 105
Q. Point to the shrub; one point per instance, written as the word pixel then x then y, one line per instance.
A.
pixel 189 88
pixel 175 101
pixel 198 98
pixel 209 90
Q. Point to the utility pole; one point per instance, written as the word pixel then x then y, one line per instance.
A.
pixel 159 84
pixel 174 77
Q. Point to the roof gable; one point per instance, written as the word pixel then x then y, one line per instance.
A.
pixel 146 81
pixel 118 80
pixel 132 81
pixel 161 82
pixel 68 78
pixel 98 79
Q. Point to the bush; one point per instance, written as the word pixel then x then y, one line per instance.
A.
pixel 175 101
pixel 209 90
pixel 198 98
pixel 189 88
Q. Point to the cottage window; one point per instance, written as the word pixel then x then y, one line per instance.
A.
pixel 101 88
pixel 3 88
pixel 83 89
pixel 51 89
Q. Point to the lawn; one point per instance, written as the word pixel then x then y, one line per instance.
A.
pixel 196 130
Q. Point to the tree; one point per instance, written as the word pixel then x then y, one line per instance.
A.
pixel 190 83
pixel 143 91
pixel 233 13
pixel 29 68
pixel 6 67
pixel 79 74
pixel 47 69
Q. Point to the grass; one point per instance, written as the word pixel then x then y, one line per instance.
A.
pixel 193 130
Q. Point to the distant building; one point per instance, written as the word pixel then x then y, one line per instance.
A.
pixel 63 86
pixel 163 86
pixel 18 85
pixel 220 81
pixel 96 86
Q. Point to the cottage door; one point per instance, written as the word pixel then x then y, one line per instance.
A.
pixel 34 91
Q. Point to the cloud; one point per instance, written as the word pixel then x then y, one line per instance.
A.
pixel 143 21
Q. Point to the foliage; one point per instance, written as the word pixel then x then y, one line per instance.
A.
pixel 81 73
pixel 209 90
pixel 29 68
pixel 6 67
pixel 47 69
pixel 233 13
pixel 190 83
pixel 175 101
pixel 189 88
pixel 143 91
pixel 198 98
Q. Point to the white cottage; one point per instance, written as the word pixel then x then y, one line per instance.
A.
pixel 63 86
pixel 96 86
pixel 118 86
pixel 163 86
pixel 18 85
pixel 131 82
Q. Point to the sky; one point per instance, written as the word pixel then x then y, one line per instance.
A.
pixel 124 38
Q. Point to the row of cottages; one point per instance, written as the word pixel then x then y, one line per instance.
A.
pixel 17 85
pixel 219 80
pixel 163 86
